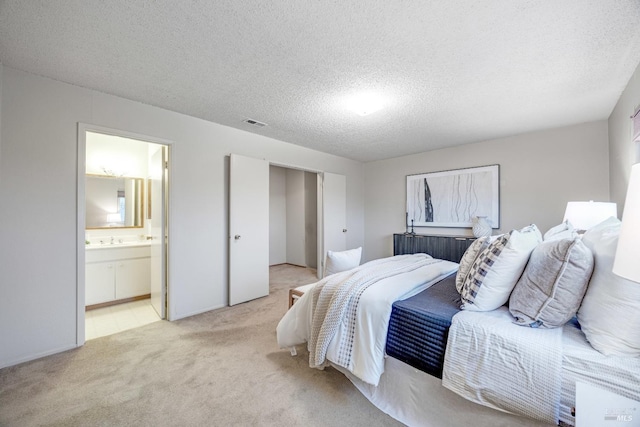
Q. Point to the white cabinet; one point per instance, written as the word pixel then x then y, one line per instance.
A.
pixel 133 277
pixel 99 282
pixel 117 272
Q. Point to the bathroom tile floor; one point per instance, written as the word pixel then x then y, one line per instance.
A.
pixel 117 318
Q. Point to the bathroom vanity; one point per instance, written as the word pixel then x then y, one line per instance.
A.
pixel 117 273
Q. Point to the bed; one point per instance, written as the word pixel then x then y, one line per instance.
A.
pixel 352 332
pixel 407 331
pixel 419 326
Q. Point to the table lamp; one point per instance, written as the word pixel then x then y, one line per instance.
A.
pixel 627 261
pixel 584 215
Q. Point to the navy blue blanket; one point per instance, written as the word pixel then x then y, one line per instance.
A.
pixel 419 326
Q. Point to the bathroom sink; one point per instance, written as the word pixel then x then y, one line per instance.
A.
pixel 117 244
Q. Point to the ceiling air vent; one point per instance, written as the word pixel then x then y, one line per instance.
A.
pixel 255 123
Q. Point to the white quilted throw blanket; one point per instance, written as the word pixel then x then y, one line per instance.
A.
pixel 344 318
pixel 496 363
pixel 335 305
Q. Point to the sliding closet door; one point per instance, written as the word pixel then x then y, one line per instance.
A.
pixel 248 229
pixel 334 214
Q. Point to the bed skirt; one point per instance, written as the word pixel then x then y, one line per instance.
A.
pixel 418 399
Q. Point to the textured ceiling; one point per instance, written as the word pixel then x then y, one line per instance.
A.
pixel 449 72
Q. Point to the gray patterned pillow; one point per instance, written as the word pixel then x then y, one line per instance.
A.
pixel 553 284
pixel 468 258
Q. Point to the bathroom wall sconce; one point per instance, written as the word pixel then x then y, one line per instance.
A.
pixel 114 218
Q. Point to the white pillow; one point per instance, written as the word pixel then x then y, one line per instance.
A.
pixel 610 311
pixel 342 261
pixel 561 231
pixel 497 268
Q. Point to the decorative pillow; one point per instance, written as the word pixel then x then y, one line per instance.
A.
pixel 561 231
pixel 342 261
pixel 497 268
pixel 610 311
pixel 468 258
pixel 553 284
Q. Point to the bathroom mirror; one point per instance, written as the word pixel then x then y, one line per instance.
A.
pixel 114 202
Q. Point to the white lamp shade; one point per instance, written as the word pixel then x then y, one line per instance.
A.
pixel 584 215
pixel 627 261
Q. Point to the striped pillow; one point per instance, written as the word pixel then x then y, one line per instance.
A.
pixel 468 258
pixel 497 268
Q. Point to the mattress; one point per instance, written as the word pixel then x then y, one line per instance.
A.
pixel 581 363
pixel 419 326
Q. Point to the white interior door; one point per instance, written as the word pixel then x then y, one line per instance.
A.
pixel 248 229
pixel 334 214
pixel 158 221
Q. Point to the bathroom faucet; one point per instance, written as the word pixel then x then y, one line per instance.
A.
pixel 112 240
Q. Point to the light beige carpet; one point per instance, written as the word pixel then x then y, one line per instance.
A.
pixel 221 368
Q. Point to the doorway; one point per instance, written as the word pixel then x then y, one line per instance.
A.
pixel 293 218
pixel 123 188
pixel 249 232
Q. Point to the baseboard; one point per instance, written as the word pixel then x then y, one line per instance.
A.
pixel 293 265
pixel 194 313
pixel 116 302
pixel 29 358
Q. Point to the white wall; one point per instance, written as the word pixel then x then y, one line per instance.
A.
pixel 122 156
pixel 539 173
pixel 38 173
pixel 311 219
pixel 1 69
pixel 622 152
pixel 277 215
pixel 295 218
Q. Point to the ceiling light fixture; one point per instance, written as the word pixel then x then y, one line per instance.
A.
pixel 365 103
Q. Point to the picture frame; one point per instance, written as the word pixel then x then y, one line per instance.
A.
pixel 452 198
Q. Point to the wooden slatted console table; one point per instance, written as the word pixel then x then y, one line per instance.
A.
pixel 450 248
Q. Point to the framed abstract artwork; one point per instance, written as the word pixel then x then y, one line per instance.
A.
pixel 452 198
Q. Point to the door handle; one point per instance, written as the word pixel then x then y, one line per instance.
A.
pixel 237 237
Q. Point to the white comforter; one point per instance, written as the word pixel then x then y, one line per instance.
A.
pixel 496 363
pixel 363 312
